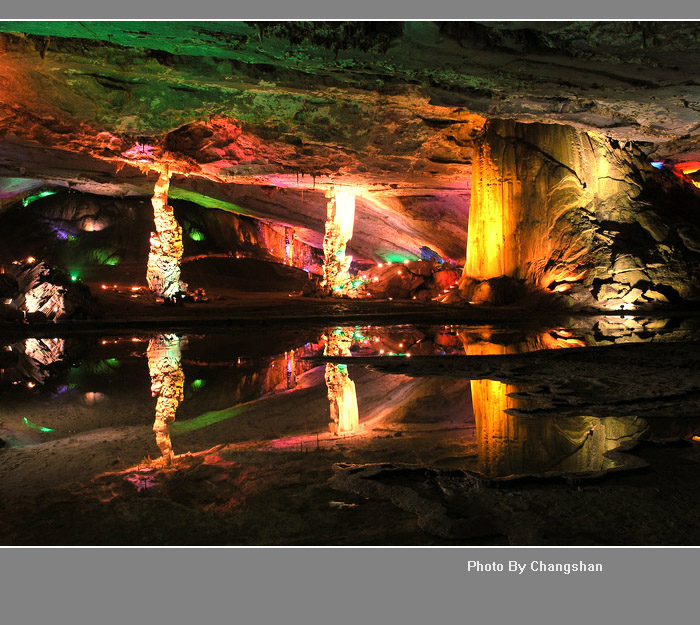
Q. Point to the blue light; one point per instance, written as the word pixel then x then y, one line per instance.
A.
pixel 657 164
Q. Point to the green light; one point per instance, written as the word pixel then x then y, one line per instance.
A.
pixel 343 369
pixel 197 384
pixel 338 332
pixel 30 198
pixel 196 235
pixel 102 367
pixel 204 420
pixel 395 258
pixel 33 426
pixel 104 256
pixel 74 277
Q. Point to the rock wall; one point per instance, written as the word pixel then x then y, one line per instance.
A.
pixel 559 210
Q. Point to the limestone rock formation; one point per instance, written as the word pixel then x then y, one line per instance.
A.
pixel 261 119
pixel 47 292
pixel 566 211
pixel 163 272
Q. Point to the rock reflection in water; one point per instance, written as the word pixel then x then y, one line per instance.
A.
pixel 341 389
pixel 511 445
pixel 167 384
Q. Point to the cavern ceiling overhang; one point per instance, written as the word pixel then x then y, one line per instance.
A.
pixel 261 118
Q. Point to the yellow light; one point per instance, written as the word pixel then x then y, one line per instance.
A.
pixel 345 212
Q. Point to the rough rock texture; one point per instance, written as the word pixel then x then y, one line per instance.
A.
pixel 420 279
pixel 390 108
pixel 568 211
pixel 47 292
pixel 166 250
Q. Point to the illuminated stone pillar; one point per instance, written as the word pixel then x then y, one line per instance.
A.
pixel 340 218
pixel 163 273
pixel 557 209
pixel 167 385
pixel 289 246
pixel 341 389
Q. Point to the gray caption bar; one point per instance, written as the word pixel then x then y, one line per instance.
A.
pixel 407 586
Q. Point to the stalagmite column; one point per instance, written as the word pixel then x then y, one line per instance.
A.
pixel 341 389
pixel 340 219
pixel 561 210
pixel 163 273
pixel 167 384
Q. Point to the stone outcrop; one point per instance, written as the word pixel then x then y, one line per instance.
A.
pixel 555 209
pixel 46 292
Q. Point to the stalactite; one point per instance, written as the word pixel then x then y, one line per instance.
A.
pixel 167 385
pixel 163 273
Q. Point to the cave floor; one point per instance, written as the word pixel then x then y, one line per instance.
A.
pixel 240 496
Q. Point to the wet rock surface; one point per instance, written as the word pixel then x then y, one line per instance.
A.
pixel 579 216
pixel 635 379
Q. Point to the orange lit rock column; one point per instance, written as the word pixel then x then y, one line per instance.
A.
pixel 340 219
pixel 163 272
pixel 561 210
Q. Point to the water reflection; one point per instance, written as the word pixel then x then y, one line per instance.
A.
pixel 342 396
pixel 512 445
pixel 268 400
pixel 167 385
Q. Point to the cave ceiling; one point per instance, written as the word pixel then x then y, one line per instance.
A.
pixel 260 118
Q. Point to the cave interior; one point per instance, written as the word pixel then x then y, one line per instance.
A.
pixel 266 211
